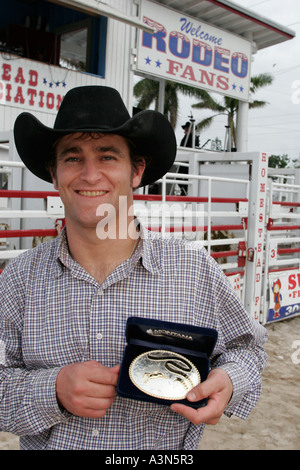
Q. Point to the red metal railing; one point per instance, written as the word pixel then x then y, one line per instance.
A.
pixel 137 197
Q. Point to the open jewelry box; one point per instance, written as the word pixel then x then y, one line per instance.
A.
pixel 163 360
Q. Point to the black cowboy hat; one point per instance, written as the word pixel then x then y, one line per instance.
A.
pixel 97 109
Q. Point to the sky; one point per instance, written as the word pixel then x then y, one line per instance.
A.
pixel 276 127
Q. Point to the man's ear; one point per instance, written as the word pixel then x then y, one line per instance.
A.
pixel 54 180
pixel 138 173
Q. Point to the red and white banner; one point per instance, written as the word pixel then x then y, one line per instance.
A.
pixel 33 86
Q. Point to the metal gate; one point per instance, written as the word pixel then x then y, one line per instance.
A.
pixel 224 208
pixel 281 286
pixel 247 222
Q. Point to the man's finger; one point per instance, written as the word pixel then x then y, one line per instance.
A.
pixel 208 414
pixel 218 389
pixel 216 381
pixel 201 415
pixel 201 391
pixel 105 375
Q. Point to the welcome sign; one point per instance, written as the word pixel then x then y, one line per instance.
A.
pixel 188 51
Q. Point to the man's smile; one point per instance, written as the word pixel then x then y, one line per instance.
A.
pixel 92 193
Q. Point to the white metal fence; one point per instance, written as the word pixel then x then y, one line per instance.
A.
pixel 281 286
pixel 254 235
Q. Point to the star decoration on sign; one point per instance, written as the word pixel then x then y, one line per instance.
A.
pixel 57 83
pixel 157 62
pixel 237 88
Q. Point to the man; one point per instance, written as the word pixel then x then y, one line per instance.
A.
pixel 187 139
pixel 65 303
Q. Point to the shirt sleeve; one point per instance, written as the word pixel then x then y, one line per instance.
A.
pixel 239 350
pixel 28 402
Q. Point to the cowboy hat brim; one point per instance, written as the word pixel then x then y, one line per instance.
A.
pixel 149 131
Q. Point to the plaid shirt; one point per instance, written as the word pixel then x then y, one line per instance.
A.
pixel 54 313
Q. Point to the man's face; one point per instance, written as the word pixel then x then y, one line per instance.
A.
pixel 91 171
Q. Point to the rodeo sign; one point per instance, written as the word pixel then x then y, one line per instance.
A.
pixel 188 51
pixel 284 295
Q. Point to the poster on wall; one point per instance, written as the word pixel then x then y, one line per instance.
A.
pixel 284 290
pixel 189 51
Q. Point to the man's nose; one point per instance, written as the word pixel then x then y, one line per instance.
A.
pixel 90 172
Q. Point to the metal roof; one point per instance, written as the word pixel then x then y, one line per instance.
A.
pixel 231 17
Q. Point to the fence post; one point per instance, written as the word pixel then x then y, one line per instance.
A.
pixel 256 231
pixel 164 206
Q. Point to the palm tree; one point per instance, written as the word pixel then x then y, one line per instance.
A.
pixel 230 105
pixel 147 91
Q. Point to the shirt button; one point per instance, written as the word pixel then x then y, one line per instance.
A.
pixel 99 336
pixel 100 292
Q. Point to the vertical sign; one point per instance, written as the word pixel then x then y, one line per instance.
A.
pixel 255 239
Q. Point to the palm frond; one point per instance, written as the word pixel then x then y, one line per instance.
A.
pixel 257 104
pixel 205 123
pixel 171 104
pixel 209 103
pixel 260 81
pixel 192 91
pixel 147 91
pixel 231 104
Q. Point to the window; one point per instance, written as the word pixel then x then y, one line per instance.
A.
pixel 75 46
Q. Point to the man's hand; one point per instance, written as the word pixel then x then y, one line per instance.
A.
pixel 87 389
pixel 218 389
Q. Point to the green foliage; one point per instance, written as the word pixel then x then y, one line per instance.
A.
pixel 230 106
pixel 147 92
pixel 283 161
pixel 278 161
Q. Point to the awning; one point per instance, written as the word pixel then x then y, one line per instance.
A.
pixel 221 13
pixel 234 18
pixel 99 8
